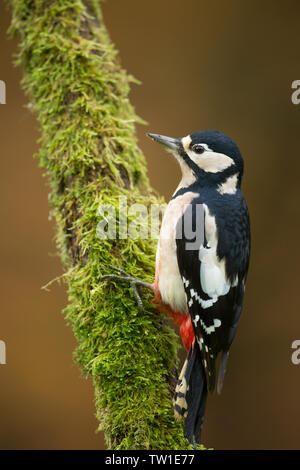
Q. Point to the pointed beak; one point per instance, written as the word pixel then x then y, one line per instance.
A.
pixel 172 144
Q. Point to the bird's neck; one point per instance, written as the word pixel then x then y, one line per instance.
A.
pixel 226 181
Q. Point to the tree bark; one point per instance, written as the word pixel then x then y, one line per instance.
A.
pixel 89 152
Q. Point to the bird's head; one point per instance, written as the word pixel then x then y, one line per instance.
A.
pixel 209 157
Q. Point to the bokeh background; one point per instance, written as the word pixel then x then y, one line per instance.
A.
pixel 225 65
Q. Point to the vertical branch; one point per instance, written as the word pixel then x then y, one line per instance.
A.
pixel 88 150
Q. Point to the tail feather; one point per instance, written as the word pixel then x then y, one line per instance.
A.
pixel 201 411
pixel 190 395
pixel 222 370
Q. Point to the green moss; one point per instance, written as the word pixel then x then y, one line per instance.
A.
pixel 89 152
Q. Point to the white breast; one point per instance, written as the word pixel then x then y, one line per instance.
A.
pixel 169 280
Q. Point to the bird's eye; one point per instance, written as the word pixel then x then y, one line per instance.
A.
pixel 198 148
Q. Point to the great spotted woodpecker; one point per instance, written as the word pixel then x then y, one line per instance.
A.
pixel 202 262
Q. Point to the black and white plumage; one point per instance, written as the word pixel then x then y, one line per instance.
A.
pixel 202 262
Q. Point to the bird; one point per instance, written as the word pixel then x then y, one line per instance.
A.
pixel 202 261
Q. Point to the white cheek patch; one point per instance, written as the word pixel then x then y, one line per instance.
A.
pixel 209 161
pixel 213 162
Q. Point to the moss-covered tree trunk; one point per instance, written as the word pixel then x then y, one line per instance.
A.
pixel 88 149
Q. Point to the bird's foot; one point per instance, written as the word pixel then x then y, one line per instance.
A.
pixel 135 284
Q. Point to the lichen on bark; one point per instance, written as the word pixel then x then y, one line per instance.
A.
pixel 89 152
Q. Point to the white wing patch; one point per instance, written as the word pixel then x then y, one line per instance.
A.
pixel 213 277
pixel 212 273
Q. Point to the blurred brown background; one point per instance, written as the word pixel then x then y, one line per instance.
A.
pixel 225 65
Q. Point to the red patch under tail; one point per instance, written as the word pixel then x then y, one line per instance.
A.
pixel 182 320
